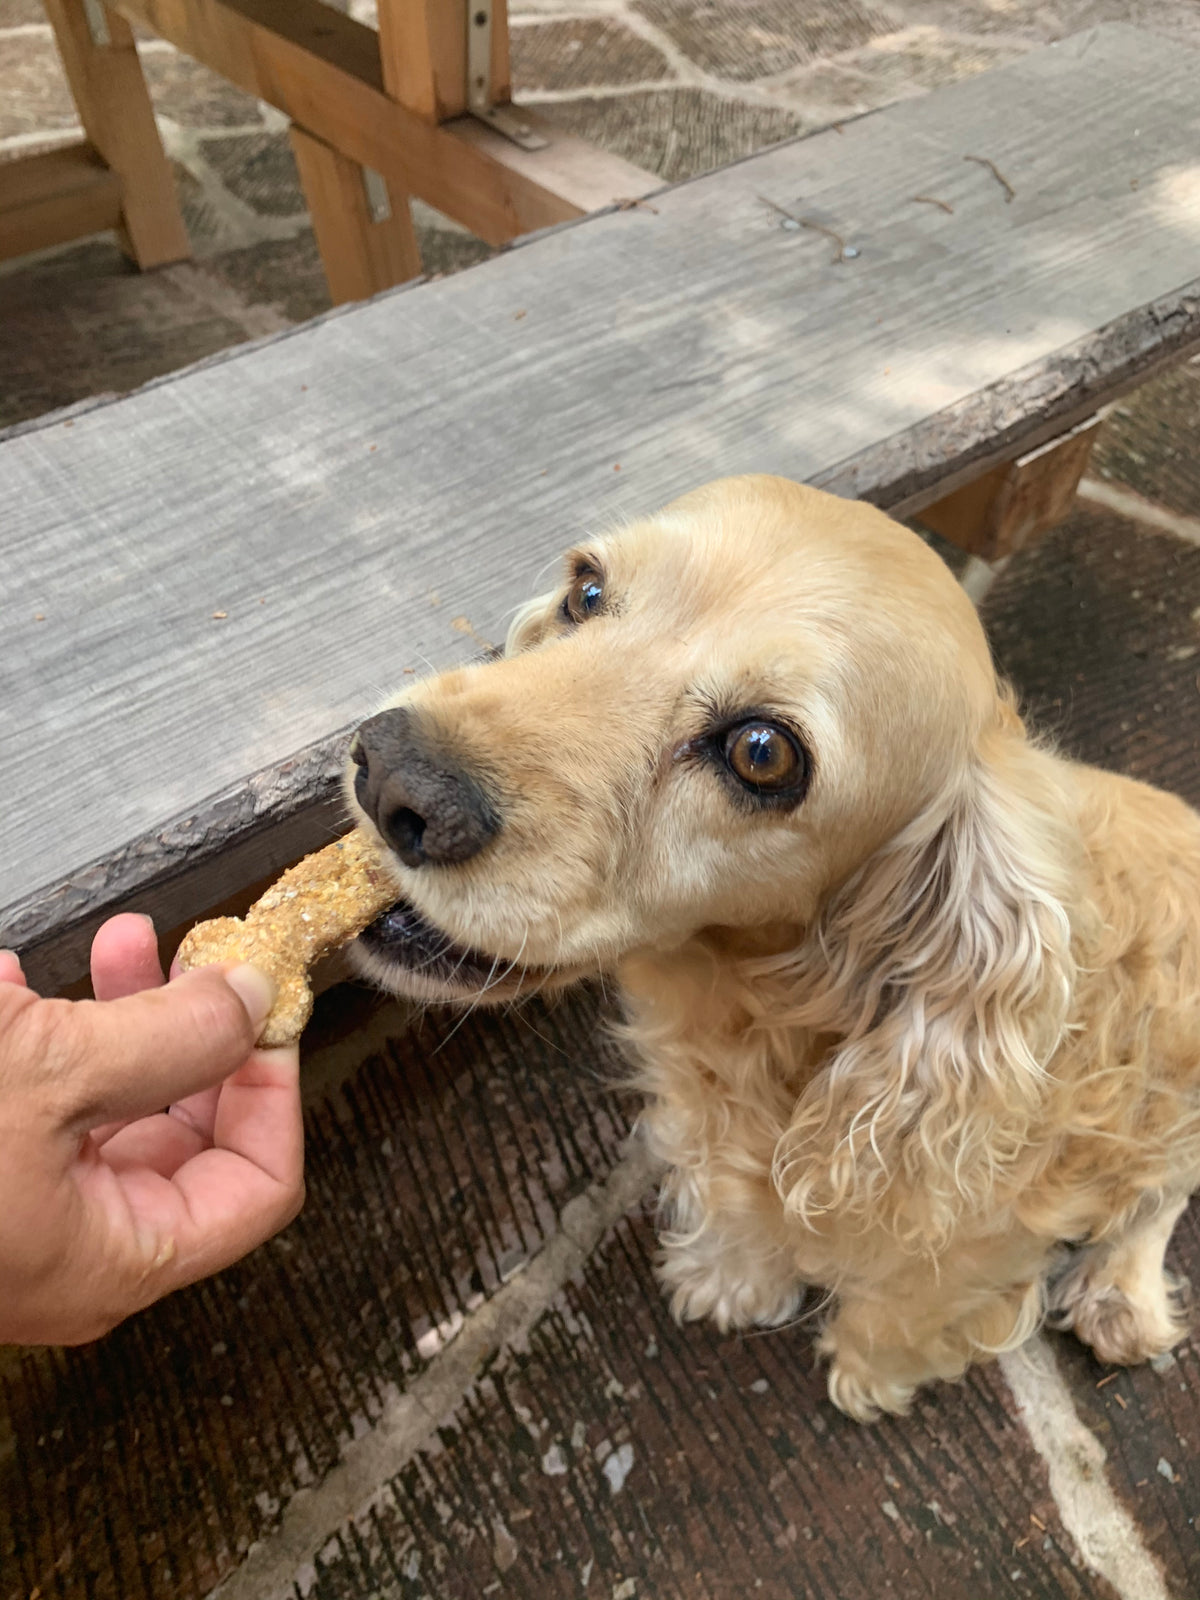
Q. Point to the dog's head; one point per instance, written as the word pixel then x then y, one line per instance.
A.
pixel 712 722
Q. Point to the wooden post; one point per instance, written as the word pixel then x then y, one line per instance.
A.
pixel 367 241
pixel 423 60
pixel 114 106
pixel 423 52
pixel 1005 509
pixel 422 49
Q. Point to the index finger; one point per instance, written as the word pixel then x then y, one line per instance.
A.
pixel 10 968
pixel 126 1058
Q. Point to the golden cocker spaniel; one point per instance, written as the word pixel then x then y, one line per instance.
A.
pixel 914 1002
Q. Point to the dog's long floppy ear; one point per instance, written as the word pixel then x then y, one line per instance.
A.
pixel 943 970
pixel 530 625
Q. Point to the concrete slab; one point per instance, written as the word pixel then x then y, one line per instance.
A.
pixel 620 1454
pixel 1150 441
pixel 675 132
pixel 259 170
pixel 147 1464
pixel 69 333
pixel 21 13
pixel 190 94
pixel 36 99
pixel 581 53
pixel 760 38
pixel 1099 627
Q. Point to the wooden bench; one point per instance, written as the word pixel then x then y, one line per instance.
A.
pixel 209 582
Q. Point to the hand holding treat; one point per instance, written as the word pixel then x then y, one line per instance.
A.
pixel 317 906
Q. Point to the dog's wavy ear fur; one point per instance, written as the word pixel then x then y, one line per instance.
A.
pixel 529 626
pixel 943 970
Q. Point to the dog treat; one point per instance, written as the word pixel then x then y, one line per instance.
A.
pixel 316 906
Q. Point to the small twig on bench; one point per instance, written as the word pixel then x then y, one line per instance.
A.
pixel 932 200
pixel 635 205
pixel 846 252
pixel 1010 194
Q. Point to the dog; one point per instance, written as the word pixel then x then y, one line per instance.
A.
pixel 914 1002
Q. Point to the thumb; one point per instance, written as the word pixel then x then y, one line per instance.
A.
pixel 130 1057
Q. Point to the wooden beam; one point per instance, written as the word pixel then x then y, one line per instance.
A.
pixel 1007 508
pixel 114 106
pixel 323 70
pixel 52 198
pixel 362 253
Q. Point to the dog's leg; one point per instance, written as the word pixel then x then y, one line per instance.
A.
pixel 1117 1296
pixel 739 1281
pixel 883 1347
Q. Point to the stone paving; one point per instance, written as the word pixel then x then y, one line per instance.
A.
pixel 453 1377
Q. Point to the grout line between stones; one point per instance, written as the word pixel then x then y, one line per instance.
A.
pixel 361 1479
pixel 1104 1531
pixel 1128 503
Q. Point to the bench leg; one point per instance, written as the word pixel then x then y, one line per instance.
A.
pixel 363 225
pixel 110 93
pixel 1010 506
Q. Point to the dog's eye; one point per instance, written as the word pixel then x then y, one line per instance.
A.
pixel 764 757
pixel 584 597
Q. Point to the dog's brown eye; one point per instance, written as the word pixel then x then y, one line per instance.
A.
pixel 763 756
pixel 584 597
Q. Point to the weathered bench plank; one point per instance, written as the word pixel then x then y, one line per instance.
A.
pixel 357 493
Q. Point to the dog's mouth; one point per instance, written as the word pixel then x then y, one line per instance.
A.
pixel 403 941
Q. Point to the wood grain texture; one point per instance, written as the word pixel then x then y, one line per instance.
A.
pixel 1007 508
pixel 56 196
pixel 361 254
pixel 347 491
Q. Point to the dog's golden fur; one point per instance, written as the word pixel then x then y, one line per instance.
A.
pixel 901 1041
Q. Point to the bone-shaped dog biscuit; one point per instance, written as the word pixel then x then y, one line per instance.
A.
pixel 318 905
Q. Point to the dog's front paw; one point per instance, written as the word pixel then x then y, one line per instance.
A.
pixel 702 1284
pixel 866 1395
pixel 1124 1323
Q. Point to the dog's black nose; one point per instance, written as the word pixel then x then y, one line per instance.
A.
pixel 426 807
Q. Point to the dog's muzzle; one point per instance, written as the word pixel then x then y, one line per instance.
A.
pixel 427 808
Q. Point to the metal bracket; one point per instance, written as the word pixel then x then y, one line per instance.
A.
pixel 479 56
pixel 379 202
pixel 505 120
pixel 510 121
pixel 97 23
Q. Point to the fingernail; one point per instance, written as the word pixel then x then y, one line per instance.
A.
pixel 254 989
pixel 149 921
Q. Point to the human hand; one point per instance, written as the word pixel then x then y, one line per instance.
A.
pixel 108 1201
